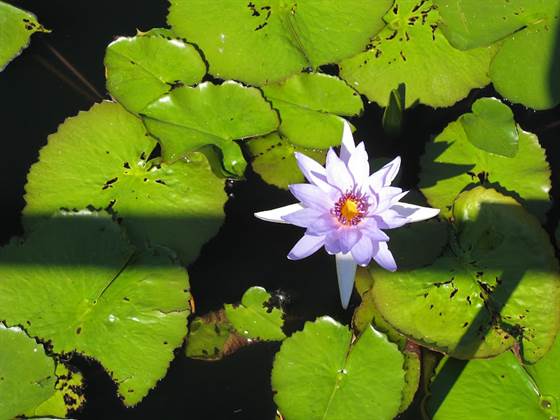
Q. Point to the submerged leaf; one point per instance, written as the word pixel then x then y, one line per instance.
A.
pixel 16 27
pixel 100 158
pixel 491 127
pixel 260 42
pixel 411 49
pixel 97 299
pixel 274 160
pixel 143 68
pixel 489 290
pixel 254 318
pixel 452 163
pixel 321 373
pixel 190 118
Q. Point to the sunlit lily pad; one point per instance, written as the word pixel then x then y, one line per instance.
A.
pixel 310 105
pixel 143 68
pixel 488 290
pixel 531 392
pixel 191 117
pixel 274 160
pixel 96 298
pixel 321 373
pixel 451 163
pixel 264 41
pixel 411 49
pixel 16 27
pixel 100 158
pixel 526 66
pixel 27 374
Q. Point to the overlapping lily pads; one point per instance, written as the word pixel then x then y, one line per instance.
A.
pixel 526 66
pixel 143 68
pixel 189 118
pixel 96 298
pixel 321 373
pixel 411 49
pixel 101 158
pixel 452 163
pixel 310 105
pixel 265 41
pixel 274 160
pixel 16 27
pixel 489 290
pixel 531 392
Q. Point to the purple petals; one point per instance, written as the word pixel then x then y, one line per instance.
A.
pixel 323 224
pixel 337 173
pixel 277 215
pixel 348 237
pixel 347 147
pixel 414 213
pixel 362 252
pixel 388 196
pixel 384 258
pixel 346 273
pixel 306 246
pixel 386 175
pixel 311 196
pixel 332 244
pixel 302 218
pixel 358 165
pixel 370 228
pixel 313 171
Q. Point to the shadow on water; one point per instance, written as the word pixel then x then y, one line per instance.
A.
pixel 40 89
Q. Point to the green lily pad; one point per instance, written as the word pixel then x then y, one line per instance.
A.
pixel 525 67
pixel 274 160
pixel 366 314
pixel 411 49
pixel 191 117
pixel 491 127
pixel 452 163
pixel 489 289
pixel 309 105
pixel 143 68
pixel 394 112
pixel 321 373
pixel 68 397
pixel 101 158
pixel 261 42
pixel 254 318
pixel 27 374
pixel 212 337
pixel 511 387
pixel 16 28
pixel 96 298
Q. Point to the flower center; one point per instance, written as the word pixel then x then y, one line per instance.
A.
pixel 350 208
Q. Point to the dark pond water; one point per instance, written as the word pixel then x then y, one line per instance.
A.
pixel 39 90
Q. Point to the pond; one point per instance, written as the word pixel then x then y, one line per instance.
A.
pixel 62 73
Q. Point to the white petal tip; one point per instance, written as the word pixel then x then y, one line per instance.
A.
pixel 276 215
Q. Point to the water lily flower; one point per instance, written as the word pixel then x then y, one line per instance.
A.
pixel 345 210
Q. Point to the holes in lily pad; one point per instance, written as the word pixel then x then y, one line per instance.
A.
pixel 109 183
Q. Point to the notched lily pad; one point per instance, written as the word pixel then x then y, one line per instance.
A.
pixel 487 292
pixel 411 49
pixel 491 127
pixel 101 158
pixel 192 117
pixel 260 42
pixel 274 160
pixel 452 163
pixel 16 28
pixel 310 106
pixel 143 68
pixel 255 318
pixel 97 298
pixel 323 373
